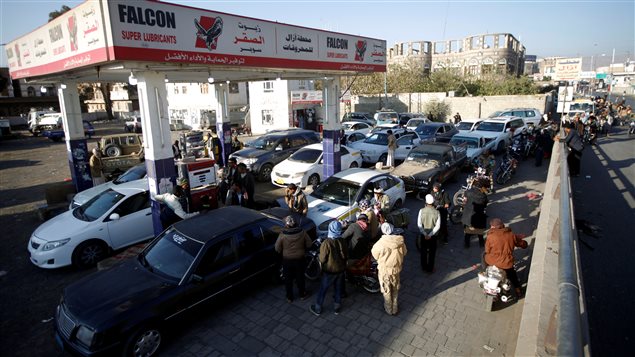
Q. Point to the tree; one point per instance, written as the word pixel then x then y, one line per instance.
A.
pixel 55 14
pixel 105 89
pixel 439 109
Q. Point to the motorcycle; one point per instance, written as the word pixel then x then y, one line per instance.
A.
pixel 495 285
pixel 589 135
pixel 458 200
pixel 507 167
pixel 363 274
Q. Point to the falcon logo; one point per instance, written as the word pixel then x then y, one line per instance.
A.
pixel 207 32
pixel 360 50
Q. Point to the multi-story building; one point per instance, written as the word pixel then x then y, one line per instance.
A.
pixel 473 55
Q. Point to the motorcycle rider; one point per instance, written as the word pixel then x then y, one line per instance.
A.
pixel 442 204
pixel 474 218
pixel 499 249
pixel 389 251
pixel 292 243
pixel 487 161
pixel 382 198
pixel 373 223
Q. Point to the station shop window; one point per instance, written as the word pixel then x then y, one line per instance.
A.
pixel 267 117
pixel 204 88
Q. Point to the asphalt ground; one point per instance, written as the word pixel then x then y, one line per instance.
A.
pixel 441 313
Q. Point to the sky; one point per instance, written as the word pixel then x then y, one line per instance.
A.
pixel 546 28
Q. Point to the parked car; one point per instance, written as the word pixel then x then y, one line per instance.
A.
pixel 133 125
pixel 413 123
pixel 386 117
pixel 434 131
pixel 467 125
pixel 179 127
pixel 40 120
pixel 529 115
pixel 262 154
pixel 137 172
pixel 128 307
pixel 500 130
pixel 117 217
pixel 430 163
pixel 57 134
pixel 365 117
pixel 350 138
pixel 305 166
pixel 337 196
pixel 475 142
pixel 120 144
pixel 405 117
pixel 375 147
pixel 355 126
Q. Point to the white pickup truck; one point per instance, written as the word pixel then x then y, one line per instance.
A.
pixel 40 121
pixel 134 125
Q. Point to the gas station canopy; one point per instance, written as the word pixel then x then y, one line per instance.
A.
pixel 107 40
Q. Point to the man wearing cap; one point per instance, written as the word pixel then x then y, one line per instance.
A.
pixel 382 199
pixel 389 251
pixel 333 255
pixel 442 204
pixel 499 249
pixel 292 243
pixel 429 222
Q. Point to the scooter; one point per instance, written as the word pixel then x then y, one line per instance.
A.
pixel 495 285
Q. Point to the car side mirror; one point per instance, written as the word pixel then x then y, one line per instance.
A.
pixel 114 217
pixel 196 279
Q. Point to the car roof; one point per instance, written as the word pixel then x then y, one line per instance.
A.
pixel 132 187
pixel 501 119
pixel 358 174
pixel 475 120
pixel 468 134
pixel 206 227
pixel 433 123
pixel 437 148
pixel 283 132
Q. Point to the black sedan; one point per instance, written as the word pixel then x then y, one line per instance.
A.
pixel 127 308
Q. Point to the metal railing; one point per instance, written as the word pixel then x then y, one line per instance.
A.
pixel 569 329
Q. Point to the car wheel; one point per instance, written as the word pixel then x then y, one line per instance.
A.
pixel 383 159
pixel 113 151
pixel 265 172
pixel 354 164
pixel 89 253
pixel 501 146
pixel 314 180
pixel 144 342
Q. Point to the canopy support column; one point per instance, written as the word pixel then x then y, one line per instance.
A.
pixel 223 125
pixel 331 131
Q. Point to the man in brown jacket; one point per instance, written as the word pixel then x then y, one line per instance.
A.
pixel 333 255
pixel 389 252
pixel 292 243
pixel 499 249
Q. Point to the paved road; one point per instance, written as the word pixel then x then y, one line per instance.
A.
pixel 441 314
pixel 604 195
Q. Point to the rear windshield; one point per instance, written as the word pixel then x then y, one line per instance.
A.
pixel 464 126
pixel 490 126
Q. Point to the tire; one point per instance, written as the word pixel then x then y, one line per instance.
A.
pixel 313 180
pixel 456 213
pixel 501 146
pixel 113 151
pixel 354 165
pixel 383 159
pixel 146 341
pixel 458 197
pixel 313 269
pixel 370 284
pixel 265 172
pixel 488 303
pixel 89 253
pixel 503 178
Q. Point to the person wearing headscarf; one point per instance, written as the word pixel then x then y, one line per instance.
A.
pixel 383 199
pixel 333 255
pixel 373 223
pixel 389 252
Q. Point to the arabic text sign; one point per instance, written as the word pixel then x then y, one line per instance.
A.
pixel 75 39
pixel 306 97
pixel 568 69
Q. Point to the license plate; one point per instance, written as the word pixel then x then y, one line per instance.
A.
pixel 279 182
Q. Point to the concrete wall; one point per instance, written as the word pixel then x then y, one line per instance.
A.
pixel 468 107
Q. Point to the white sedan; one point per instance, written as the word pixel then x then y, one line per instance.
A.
pixel 338 196
pixel 375 147
pixel 305 166
pixel 476 143
pixel 118 217
pixel 137 172
pixel 356 127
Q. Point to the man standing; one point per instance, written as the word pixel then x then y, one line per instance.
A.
pixel 392 146
pixel 442 204
pixel 292 243
pixel 248 184
pixel 333 255
pixel 173 210
pixel 389 252
pixel 381 198
pixel 499 249
pixel 230 175
pixel 429 222
pixel 574 143
pixel 296 200
pixel 457 118
pixel 96 167
pixel 474 218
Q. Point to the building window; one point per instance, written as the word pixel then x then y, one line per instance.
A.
pixel 176 90
pixel 267 117
pixel 233 88
pixel 184 89
pixel 268 86
pixel 204 88
pixel 30 92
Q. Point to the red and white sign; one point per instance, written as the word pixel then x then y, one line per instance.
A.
pixel 306 97
pixel 161 32
pixel 568 69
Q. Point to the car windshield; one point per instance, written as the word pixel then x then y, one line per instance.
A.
pixel 423 157
pixel 581 106
pixel 98 205
pixel 472 143
pixel 348 125
pixel 464 126
pixel 172 254
pixel 377 139
pixel 306 156
pixel 264 143
pixel 133 173
pixel 337 190
pixel 491 126
pixel 415 122
pixel 426 130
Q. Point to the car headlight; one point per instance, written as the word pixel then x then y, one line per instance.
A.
pixel 85 335
pixel 55 244
pixel 250 161
pixel 298 174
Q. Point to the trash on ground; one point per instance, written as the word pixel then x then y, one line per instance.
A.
pixel 488 348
